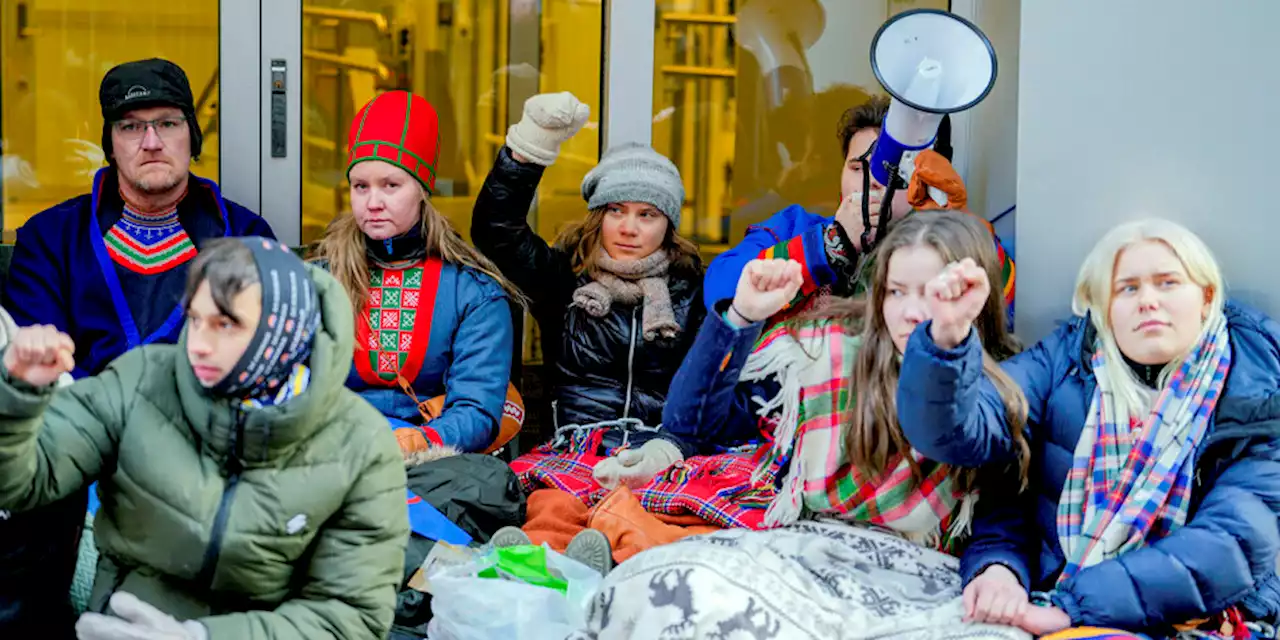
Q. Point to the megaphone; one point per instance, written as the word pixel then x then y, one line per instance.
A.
pixel 932 63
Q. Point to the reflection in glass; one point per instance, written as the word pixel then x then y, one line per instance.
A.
pixel 476 62
pixel 747 103
pixel 53 54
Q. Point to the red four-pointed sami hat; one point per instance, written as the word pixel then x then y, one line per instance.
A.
pixel 400 128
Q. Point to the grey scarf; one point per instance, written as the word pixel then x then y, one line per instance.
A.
pixel 630 282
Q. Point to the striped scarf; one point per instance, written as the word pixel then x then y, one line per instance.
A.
pixel 1129 485
pixel 814 367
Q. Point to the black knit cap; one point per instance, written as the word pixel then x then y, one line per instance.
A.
pixel 146 83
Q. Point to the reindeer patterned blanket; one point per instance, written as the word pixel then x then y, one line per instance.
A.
pixel 820 580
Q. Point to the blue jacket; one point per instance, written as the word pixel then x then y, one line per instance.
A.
pixel 1226 552
pixel 707 408
pixel 801 236
pixel 721 281
pixel 468 360
pixel 62 275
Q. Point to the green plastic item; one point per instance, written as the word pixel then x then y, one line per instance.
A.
pixel 527 564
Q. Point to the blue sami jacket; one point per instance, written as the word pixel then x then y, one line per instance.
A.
pixel 467 359
pixel 62 275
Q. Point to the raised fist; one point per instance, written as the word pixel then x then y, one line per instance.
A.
pixel 549 120
pixel 39 354
pixel 765 287
pixel 956 297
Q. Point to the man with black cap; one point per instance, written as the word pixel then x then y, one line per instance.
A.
pixel 108 269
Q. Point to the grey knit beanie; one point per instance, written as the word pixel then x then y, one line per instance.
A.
pixel 635 173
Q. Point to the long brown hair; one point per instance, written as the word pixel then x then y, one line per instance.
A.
pixel 872 433
pixel 343 248
pixel 582 240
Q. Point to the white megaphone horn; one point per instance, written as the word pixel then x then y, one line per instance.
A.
pixel 932 63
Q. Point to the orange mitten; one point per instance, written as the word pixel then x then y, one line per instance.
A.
pixel 416 439
pixel 933 170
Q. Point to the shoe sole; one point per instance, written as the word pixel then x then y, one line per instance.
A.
pixel 510 537
pixel 591 547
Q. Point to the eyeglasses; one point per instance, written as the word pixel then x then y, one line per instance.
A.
pixel 134 130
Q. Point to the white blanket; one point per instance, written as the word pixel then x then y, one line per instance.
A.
pixel 820 580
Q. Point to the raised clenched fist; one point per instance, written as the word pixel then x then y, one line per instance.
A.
pixel 549 120
pixel 39 354
pixel 956 297
pixel 765 287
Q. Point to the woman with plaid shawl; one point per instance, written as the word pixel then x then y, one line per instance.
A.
pixel 821 389
pixel 1155 426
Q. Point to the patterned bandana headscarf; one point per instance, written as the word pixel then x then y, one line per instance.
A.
pixel 272 369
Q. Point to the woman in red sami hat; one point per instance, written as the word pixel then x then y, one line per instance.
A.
pixel 429 307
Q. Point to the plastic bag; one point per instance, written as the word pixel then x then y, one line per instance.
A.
pixel 513 593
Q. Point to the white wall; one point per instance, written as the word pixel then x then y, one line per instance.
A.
pixel 1146 107
pixel 986 154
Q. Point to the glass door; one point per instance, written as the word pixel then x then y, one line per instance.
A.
pixel 747 99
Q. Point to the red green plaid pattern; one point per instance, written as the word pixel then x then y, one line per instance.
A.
pixel 719 488
pixel 817 359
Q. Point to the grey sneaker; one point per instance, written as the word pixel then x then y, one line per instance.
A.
pixel 591 547
pixel 509 537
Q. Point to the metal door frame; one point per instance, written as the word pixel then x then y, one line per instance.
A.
pixel 252 34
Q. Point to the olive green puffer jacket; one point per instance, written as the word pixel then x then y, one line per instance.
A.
pixel 300 535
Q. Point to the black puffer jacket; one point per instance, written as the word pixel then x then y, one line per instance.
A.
pixel 601 368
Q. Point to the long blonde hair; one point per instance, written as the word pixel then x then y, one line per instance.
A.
pixel 582 241
pixel 872 433
pixel 343 248
pixel 1095 289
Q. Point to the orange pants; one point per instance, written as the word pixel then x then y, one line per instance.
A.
pixel 556 516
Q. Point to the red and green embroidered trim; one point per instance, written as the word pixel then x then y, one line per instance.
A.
pixel 149 244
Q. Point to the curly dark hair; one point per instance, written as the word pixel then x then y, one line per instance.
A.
pixel 870 115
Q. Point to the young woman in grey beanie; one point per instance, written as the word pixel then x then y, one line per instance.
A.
pixel 617 297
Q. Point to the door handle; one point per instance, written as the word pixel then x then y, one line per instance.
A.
pixel 279 108
pixel 25 30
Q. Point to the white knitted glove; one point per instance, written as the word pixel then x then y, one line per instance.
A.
pixel 137 621
pixel 636 467
pixel 549 119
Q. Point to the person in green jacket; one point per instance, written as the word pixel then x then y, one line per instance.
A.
pixel 245 492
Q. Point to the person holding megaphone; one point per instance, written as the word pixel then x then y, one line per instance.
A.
pixel 897 159
pixel 834 251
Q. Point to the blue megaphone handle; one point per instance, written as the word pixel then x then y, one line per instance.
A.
pixel 426 521
pixel 93 499
pixel 890 151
